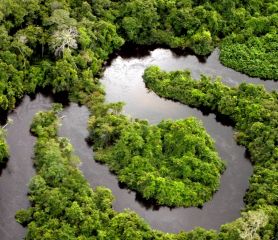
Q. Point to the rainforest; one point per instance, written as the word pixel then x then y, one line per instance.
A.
pixel 58 54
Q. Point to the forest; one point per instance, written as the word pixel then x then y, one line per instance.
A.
pixel 63 45
pixel 174 163
pixel 253 112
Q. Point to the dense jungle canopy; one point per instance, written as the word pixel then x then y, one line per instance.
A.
pixel 63 45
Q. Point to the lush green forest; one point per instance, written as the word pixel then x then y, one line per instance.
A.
pixel 254 112
pixel 64 206
pixel 174 163
pixel 63 44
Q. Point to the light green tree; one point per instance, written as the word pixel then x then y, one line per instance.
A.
pixel 64 39
pixel 252 223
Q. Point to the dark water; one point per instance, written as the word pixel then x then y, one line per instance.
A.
pixel 123 82
pixel 16 176
pixel 177 60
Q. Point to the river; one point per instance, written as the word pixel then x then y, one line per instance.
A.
pixel 123 82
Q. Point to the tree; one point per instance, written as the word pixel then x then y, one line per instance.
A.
pixel 4 149
pixel 252 222
pixel 201 42
pixel 63 39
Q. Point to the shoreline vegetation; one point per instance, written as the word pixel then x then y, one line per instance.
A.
pixel 63 45
pixel 4 149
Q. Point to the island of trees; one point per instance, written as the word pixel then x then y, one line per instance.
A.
pixel 63 44
pixel 174 163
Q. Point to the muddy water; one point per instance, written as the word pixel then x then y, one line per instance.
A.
pixel 123 82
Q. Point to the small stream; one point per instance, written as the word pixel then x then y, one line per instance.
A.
pixel 123 82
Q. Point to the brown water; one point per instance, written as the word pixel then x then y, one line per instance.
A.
pixel 122 80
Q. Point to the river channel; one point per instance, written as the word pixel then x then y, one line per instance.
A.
pixel 123 81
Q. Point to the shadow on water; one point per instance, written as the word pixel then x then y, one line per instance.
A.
pixel 3 117
pixel 131 50
pixel 147 204
pixel 3 165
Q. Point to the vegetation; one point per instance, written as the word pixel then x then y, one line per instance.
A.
pixel 59 44
pixel 253 49
pixel 248 28
pixel 255 56
pixel 253 111
pixel 174 163
pixel 62 44
pixel 64 206
pixel 4 149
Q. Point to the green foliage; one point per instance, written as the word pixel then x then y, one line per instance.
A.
pixel 63 204
pixel 33 34
pixel 105 129
pixel 140 17
pixel 105 39
pixel 45 123
pixel 4 149
pixel 249 33
pixel 174 163
pixel 253 111
pixel 83 34
pixel 255 56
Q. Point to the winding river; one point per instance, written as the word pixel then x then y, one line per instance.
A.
pixel 123 82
